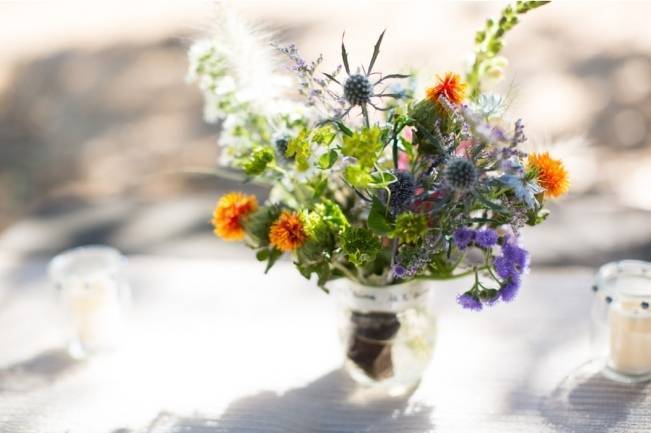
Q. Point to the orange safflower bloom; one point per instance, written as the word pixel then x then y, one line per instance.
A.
pixel 229 213
pixel 287 232
pixel 551 173
pixel 451 86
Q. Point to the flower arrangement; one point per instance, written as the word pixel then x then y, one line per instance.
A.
pixel 368 180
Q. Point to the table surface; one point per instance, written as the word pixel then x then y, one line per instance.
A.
pixel 219 347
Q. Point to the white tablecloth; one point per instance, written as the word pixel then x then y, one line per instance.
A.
pixel 219 347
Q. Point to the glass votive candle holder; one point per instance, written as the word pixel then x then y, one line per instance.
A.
pixel 94 293
pixel 622 320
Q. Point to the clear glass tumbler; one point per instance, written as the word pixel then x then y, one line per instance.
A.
pixel 94 293
pixel 622 320
pixel 387 333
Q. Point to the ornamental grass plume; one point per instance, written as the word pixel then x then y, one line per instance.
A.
pixel 229 214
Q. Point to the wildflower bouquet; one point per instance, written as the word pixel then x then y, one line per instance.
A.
pixel 369 180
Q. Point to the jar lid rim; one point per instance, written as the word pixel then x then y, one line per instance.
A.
pixel 630 268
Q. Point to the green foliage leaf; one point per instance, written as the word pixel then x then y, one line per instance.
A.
pixel 299 148
pixel 327 160
pixel 357 176
pixel 343 128
pixel 410 227
pixel 319 186
pixel 364 145
pixel 257 224
pixel 257 163
pixel 377 218
pixel 382 179
pixel 274 255
pixel 360 245
pixel 323 135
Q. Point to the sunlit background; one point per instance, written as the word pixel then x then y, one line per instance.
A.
pixel 100 133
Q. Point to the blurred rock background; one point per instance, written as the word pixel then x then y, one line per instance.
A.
pixel 100 134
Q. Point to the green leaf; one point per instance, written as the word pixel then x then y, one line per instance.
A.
pixel 257 163
pixel 376 52
pixel 320 187
pixel 299 148
pixel 274 255
pixel 494 206
pixel 343 128
pixel 360 245
pixel 357 176
pixel 327 160
pixel 377 220
pixel 323 135
pixel 381 179
pixel 262 255
pixel 408 147
pixel 344 54
pixel 364 145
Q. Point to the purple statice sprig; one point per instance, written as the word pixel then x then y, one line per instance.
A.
pixel 312 87
pixel 413 259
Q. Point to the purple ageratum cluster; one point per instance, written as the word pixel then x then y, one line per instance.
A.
pixel 510 266
pixel 469 302
pixel 464 236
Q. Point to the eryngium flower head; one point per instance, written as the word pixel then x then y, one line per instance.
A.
pixel 402 191
pixel 461 174
pixel 358 89
pixel 280 141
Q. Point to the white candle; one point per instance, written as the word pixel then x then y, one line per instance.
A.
pixel 94 308
pixel 630 326
pixel 92 290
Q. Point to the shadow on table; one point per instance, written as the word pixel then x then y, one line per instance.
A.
pixel 37 371
pixel 331 403
pixel 587 401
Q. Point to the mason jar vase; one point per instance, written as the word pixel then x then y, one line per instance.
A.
pixel 387 333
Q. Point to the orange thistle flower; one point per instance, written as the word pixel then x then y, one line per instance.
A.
pixel 551 173
pixel 451 86
pixel 229 213
pixel 287 232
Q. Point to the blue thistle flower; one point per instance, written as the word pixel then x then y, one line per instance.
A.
pixel 469 302
pixel 486 238
pixel 402 191
pixel 463 236
pixel 461 174
pixel 358 89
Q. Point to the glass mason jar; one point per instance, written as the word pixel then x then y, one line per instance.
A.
pixel 387 333
pixel 93 292
pixel 622 320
